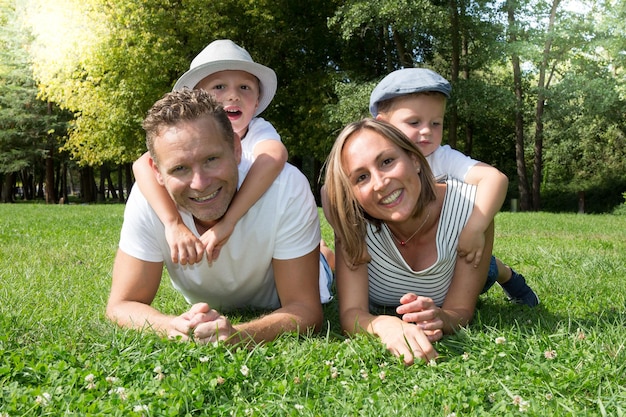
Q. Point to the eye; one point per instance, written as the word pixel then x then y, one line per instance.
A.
pixel 360 178
pixel 387 161
pixel 178 170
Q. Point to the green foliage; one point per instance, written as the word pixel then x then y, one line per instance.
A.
pixel 621 209
pixel 107 61
pixel 59 354
pixel 25 122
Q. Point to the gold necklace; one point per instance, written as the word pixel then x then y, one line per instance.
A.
pixel 404 242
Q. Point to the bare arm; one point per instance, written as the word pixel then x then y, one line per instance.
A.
pixel 460 302
pixel 490 194
pixel 405 340
pixel 301 310
pixel 184 245
pixel 134 286
pixel 270 157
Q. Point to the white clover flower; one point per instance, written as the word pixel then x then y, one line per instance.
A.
pixel 120 391
pixel 140 408
pixel 334 373
pixel 382 375
pixel 500 340
pixel 90 378
pixel 520 403
pixel 549 354
pixel 158 370
pixel 43 399
pixel 203 359
pixel 298 407
pixel 432 362
pixel 465 356
pixel 244 370
pixel 112 379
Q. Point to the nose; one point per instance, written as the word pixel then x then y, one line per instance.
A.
pixel 379 181
pixel 232 94
pixel 424 129
pixel 199 180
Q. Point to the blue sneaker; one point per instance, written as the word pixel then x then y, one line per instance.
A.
pixel 519 292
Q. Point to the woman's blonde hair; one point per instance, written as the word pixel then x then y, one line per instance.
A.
pixel 345 213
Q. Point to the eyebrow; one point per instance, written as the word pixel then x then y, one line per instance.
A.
pixel 378 157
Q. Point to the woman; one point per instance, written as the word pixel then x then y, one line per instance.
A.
pixel 396 236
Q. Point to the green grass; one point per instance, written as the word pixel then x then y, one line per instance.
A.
pixel 60 356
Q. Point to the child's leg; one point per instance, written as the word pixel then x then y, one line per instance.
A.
pixel 514 284
pixel 328 254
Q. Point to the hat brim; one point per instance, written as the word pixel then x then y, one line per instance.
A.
pixel 266 76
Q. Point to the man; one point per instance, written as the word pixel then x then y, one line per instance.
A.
pixel 271 260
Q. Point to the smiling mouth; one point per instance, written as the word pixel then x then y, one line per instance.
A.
pixel 233 113
pixel 203 199
pixel 391 197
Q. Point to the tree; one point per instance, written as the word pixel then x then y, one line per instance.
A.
pixel 30 129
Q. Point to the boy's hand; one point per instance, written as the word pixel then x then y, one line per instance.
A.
pixel 216 237
pixel 471 245
pixel 185 247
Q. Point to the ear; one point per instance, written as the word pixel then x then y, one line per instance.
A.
pixel 381 117
pixel 416 162
pixel 156 171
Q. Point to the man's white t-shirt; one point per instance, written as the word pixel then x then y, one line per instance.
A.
pixel 283 224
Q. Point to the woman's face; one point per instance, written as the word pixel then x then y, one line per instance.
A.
pixel 383 177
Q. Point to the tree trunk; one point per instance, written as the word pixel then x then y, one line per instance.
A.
pixel 8 184
pixel 87 185
pixel 455 36
pixel 120 184
pixel 522 184
pixel 541 101
pixel 51 195
pixel 128 178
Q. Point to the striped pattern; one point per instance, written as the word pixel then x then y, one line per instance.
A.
pixel 389 275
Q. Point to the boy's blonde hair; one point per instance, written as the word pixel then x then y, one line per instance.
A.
pixel 344 211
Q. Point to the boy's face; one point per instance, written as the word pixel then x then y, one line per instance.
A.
pixel 420 117
pixel 238 92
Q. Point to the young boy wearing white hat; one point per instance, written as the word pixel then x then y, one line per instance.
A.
pixel 244 88
pixel 414 100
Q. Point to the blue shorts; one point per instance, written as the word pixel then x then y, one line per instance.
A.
pixel 492 275
pixel 326 280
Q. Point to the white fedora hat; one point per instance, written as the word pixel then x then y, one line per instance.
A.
pixel 222 55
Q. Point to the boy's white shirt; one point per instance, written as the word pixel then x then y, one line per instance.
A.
pixel 446 162
pixel 259 130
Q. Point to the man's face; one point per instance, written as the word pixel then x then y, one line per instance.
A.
pixel 198 168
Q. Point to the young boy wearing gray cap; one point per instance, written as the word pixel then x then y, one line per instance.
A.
pixel 414 100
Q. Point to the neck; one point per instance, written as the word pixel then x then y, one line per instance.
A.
pixel 403 237
pixel 203 226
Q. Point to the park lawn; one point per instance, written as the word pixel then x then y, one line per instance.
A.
pixel 60 356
